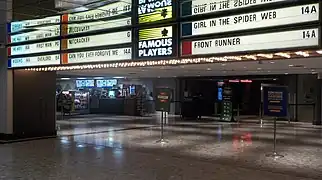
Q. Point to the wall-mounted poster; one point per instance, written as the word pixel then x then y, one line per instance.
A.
pixel 156 42
pixel 154 10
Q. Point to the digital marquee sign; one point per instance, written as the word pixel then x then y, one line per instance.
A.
pixel 113 9
pixel 97 56
pixel 156 42
pixel 22 25
pixel 76 28
pixel 154 10
pixel 34 48
pixel 38 34
pixel 197 7
pixel 261 19
pixel 266 41
pixel 115 38
pixel 34 61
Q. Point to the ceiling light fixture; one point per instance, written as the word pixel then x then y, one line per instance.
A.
pixel 302 53
pixel 319 51
pixel 286 55
pixel 268 56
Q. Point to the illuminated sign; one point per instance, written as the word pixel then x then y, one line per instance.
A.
pixel 267 41
pixel 98 56
pixel 155 42
pixel 40 33
pixel 110 10
pixel 97 40
pixel 22 25
pixel 154 10
pixel 196 7
pixel 276 17
pixel 109 83
pixel 94 26
pixel 34 61
pixel 34 48
pixel 85 83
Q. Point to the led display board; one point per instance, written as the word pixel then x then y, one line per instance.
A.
pixel 106 83
pixel 270 18
pixel 154 10
pixel 34 48
pixel 197 7
pixel 38 34
pixel 22 25
pixel 266 41
pixel 113 9
pixel 85 83
pixel 77 28
pixel 34 61
pixel 115 38
pixel 155 42
pixel 97 56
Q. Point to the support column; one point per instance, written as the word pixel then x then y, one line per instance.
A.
pixel 6 79
pixel 318 105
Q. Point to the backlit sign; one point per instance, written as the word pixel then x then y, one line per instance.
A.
pixel 34 61
pixel 98 56
pixel 39 33
pixel 22 25
pixel 266 41
pixel 275 17
pixel 34 48
pixel 154 10
pixel 155 42
pixel 97 40
pixel 110 10
pixel 196 7
pixel 95 26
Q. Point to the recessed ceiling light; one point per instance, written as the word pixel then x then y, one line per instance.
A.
pixel 268 71
pixel 65 78
pixel 118 77
pixel 291 65
pixel 81 78
pixel 286 73
pixel 272 62
pixel 223 64
pixel 259 68
pixel 274 79
pixel 208 69
pixel 312 70
pixel 245 67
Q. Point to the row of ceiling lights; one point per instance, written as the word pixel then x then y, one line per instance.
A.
pixel 170 62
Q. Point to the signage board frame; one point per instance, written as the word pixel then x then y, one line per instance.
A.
pixel 23 62
pixel 97 40
pixel 275 107
pixel 151 16
pixel 237 40
pixel 27 49
pixel 222 8
pixel 163 99
pixel 157 37
pixel 256 20
pixel 97 56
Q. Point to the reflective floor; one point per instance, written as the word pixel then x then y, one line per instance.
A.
pixel 196 150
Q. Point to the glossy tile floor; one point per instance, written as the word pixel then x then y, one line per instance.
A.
pixel 196 150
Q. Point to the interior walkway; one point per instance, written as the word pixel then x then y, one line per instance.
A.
pixel 196 150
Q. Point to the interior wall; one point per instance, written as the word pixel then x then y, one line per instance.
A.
pixel 34 104
pixel 5 75
pixel 307 93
